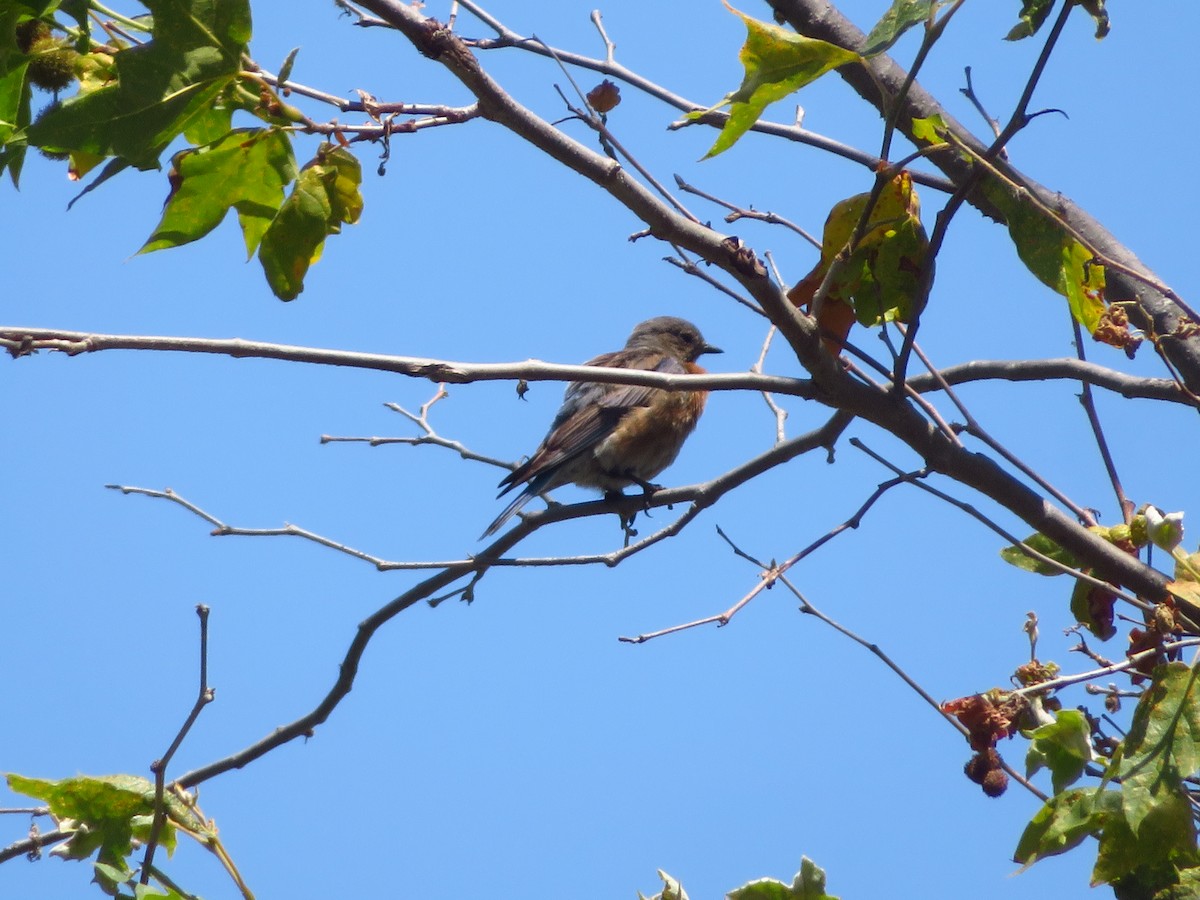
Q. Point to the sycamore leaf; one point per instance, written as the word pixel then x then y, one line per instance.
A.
pixel 1063 822
pixel 161 85
pixel 114 808
pixel 325 196
pixel 1145 862
pixel 1064 746
pixel 1186 585
pixel 809 884
pixel 1014 555
pixel 930 130
pixel 1057 259
pixel 778 62
pixel 15 93
pixel 1161 750
pixel 878 279
pixel 246 170
pixel 1033 14
pixel 901 16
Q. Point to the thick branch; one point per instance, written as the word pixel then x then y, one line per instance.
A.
pixel 1179 343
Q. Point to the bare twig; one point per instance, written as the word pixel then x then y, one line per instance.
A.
pixel 609 46
pixel 774 571
pixel 976 430
pixel 738 212
pixel 687 265
pixel 507 38
pixel 1089 407
pixel 969 93
pixel 778 411
pixel 809 609
pixel 1008 536
pixel 32 845
pixel 159 767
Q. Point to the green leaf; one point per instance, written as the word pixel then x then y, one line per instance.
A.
pixel 162 85
pixel 1014 555
pixel 1033 14
pixel 809 884
pixel 15 92
pixel 1161 748
pixel 209 125
pixel 141 891
pixel 325 195
pixel 109 877
pixel 246 170
pixel 1145 860
pixel 15 100
pixel 1057 259
pixel 285 71
pixel 1187 887
pixel 880 279
pixel 112 807
pixel 778 62
pixel 901 16
pixel 930 130
pixel 1063 822
pixel 1063 746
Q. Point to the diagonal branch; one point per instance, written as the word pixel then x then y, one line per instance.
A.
pixel 879 82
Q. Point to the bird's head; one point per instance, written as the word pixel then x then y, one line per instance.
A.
pixel 670 335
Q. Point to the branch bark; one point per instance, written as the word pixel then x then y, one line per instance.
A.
pixel 1178 337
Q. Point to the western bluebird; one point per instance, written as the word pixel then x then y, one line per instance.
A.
pixel 609 436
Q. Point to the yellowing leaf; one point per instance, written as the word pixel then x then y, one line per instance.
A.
pixel 325 196
pixel 778 62
pixel 1052 254
pixel 878 279
pixel 901 16
pixel 931 129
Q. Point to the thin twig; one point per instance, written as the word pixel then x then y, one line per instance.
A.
pixel 778 411
pixel 737 212
pixel 204 697
pixel 969 93
pixel 609 47
pixel 976 430
pixel 507 38
pixel 1008 536
pixel 1130 662
pixel 597 123
pixel 774 571
pixel 807 608
pixel 1089 407
pixel 683 262
pixel 32 845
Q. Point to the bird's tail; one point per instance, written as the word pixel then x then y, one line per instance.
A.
pixel 531 490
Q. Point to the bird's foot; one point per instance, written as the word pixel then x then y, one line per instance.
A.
pixel 626 519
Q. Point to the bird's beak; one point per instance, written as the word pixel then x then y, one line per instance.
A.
pixel 709 348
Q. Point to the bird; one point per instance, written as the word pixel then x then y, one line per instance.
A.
pixel 609 436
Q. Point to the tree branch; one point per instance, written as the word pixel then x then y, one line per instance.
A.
pixel 1178 339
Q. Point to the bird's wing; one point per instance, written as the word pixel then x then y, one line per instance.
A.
pixel 589 413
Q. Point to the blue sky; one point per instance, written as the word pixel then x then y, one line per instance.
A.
pixel 513 746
